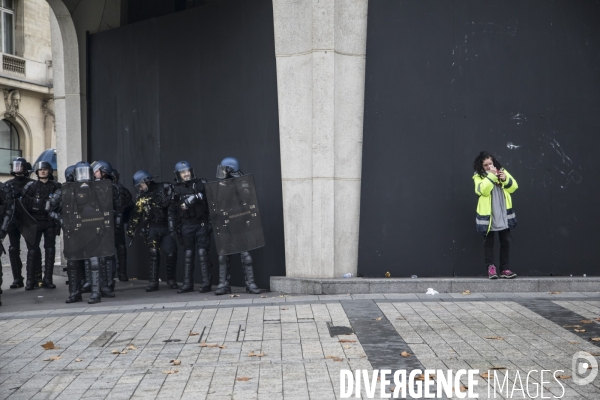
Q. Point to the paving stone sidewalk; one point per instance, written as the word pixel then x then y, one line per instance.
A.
pixel 253 347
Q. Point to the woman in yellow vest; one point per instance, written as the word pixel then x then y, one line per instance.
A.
pixel 494 185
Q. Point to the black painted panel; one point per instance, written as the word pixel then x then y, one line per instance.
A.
pixel 197 85
pixel 445 80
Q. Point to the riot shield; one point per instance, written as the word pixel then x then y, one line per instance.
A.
pixel 235 215
pixel 88 221
pixel 26 223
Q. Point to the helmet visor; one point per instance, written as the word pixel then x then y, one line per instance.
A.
pixel 223 171
pixel 18 167
pixel 96 166
pixel 83 174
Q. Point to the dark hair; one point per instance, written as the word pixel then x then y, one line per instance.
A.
pixel 478 163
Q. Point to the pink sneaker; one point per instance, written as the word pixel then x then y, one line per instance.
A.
pixel 492 272
pixel 507 274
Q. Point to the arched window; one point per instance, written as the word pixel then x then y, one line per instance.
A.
pixel 9 145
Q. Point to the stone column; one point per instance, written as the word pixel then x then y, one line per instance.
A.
pixel 320 51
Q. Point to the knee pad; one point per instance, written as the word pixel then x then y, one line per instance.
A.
pixel 202 255
pixel 223 259
pixel 246 258
pixel 154 253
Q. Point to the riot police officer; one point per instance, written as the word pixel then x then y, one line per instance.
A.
pixel 188 217
pixel 7 206
pixel 20 169
pixel 75 268
pixel 151 210
pixel 34 197
pixel 230 168
pixel 126 201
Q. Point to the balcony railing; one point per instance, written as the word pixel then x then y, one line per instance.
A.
pixel 6 157
pixel 13 64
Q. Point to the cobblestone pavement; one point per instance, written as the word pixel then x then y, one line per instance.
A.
pixel 277 346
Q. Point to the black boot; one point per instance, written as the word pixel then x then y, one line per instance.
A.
pixel 205 270
pixel 105 274
pixel 154 267
pixel 38 268
pixel 188 272
pixel 111 269
pixel 172 270
pixel 72 274
pixel 249 272
pixel 31 261
pixel 86 279
pixel 17 266
pixel 95 297
pixel 223 287
pixel 49 269
pixel 122 257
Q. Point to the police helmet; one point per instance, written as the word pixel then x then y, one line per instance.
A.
pixel 19 165
pixel 69 174
pixel 227 166
pixel 183 166
pixel 103 166
pixel 83 172
pixel 142 176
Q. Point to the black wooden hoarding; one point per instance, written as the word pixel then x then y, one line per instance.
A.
pixel 198 85
pixel 445 80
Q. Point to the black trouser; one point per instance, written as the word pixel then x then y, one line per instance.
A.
pixel 48 230
pixel 195 236
pixel 14 250
pixel 504 248
pixel 159 237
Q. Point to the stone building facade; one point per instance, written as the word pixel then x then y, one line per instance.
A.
pixel 26 80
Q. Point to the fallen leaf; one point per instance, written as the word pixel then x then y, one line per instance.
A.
pixel 347 341
pixel 194 333
pixel 598 319
pixel 264 297
pixel 334 358
pixel 222 346
pixel 118 352
pixel 595 339
pixel 574 342
pixel 387 274
pixel 53 358
pixel 486 375
pixel 204 344
pixel 253 354
pixel 284 309
pixel 170 371
pixel 580 330
pixel 595 354
pixel 401 319
pixel 49 346
pixel 494 337
pixel 78 360
pixel 463 388
pixel 405 354
pixel 175 362
pixel 572 326
pixel 243 379
pixel 466 292
pixel 586 321
pixel 378 318
pixel 234 295
pixel 131 347
pixel 420 377
pixel 133 279
pixel 564 376
pixel 347 347
pixel 497 368
pixel 391 389
pixel 555 292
